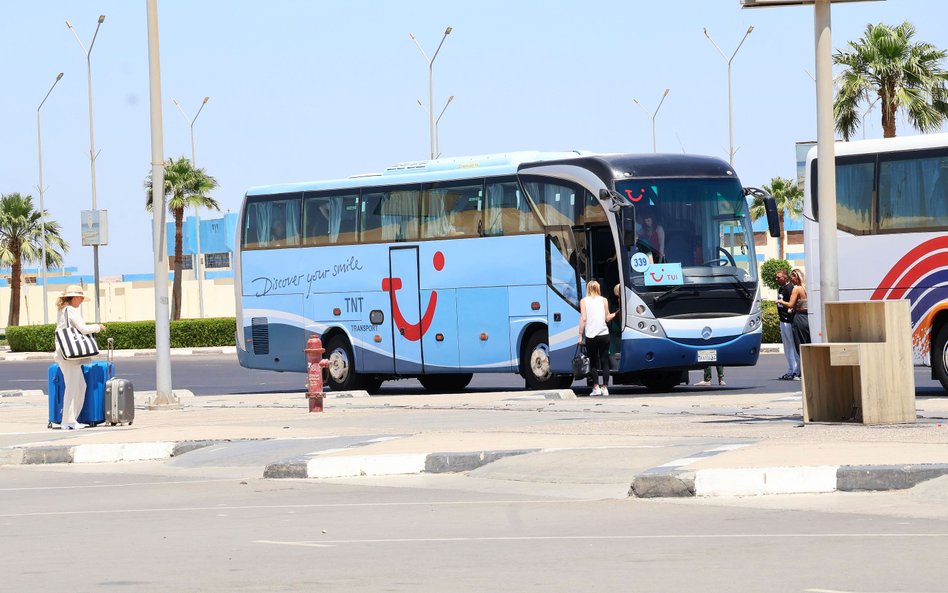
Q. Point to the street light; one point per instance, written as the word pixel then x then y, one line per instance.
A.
pixel 437 121
pixel 197 220
pixel 730 111
pixel 431 119
pixel 42 190
pixel 165 399
pixel 92 153
pixel 653 116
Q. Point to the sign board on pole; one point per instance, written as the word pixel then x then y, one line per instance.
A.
pixel 95 227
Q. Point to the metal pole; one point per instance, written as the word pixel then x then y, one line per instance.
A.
pixel 42 191
pixel 730 103
pixel 198 258
pixel 653 116
pixel 437 123
pixel 826 150
pixel 92 154
pixel 431 118
pixel 164 396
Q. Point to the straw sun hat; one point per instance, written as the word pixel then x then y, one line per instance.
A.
pixel 73 290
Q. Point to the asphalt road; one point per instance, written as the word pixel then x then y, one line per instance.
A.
pixel 145 528
pixel 220 374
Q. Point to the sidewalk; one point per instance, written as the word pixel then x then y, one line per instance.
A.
pixel 738 444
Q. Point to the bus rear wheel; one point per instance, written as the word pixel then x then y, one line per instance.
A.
pixel 535 364
pixel 661 382
pixel 940 356
pixel 450 383
pixel 342 375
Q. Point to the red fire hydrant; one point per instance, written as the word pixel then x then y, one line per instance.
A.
pixel 314 373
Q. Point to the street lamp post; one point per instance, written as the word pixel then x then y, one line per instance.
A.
pixel 431 118
pixel 165 399
pixel 653 116
pixel 42 191
pixel 92 153
pixel 437 121
pixel 730 110
pixel 199 257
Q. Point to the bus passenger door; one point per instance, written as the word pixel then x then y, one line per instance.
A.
pixel 408 323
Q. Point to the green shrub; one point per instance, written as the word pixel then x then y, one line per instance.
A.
pixel 769 269
pixel 31 338
pixel 771 323
pixel 186 333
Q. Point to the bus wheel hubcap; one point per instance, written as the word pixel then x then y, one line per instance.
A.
pixel 339 365
pixel 540 363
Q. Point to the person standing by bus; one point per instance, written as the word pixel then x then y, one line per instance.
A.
pixel 594 317
pixel 800 307
pixel 786 326
pixel 74 383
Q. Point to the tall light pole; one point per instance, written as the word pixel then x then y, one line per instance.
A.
pixel 653 116
pixel 730 109
pixel 199 257
pixel 437 121
pixel 165 398
pixel 431 118
pixel 92 153
pixel 42 191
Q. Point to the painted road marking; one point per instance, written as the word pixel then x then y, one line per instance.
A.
pixel 423 540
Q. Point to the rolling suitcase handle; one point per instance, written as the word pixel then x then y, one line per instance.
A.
pixel 111 344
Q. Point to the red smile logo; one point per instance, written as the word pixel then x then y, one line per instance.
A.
pixel 637 198
pixel 413 331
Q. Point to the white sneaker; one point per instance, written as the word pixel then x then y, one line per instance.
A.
pixel 79 425
pixel 605 391
pixel 596 391
pixel 702 383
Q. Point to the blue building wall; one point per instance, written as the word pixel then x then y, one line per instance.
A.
pixel 217 235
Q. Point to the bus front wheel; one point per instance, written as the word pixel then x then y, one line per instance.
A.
pixel 535 364
pixel 342 375
pixel 940 356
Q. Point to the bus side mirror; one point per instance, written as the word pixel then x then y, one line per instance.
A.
pixel 770 207
pixel 773 218
pixel 614 200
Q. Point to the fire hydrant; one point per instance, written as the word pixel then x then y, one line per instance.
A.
pixel 314 373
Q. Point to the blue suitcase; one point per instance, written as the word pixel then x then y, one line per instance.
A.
pixel 96 375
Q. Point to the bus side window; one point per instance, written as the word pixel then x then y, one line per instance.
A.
pixel 272 223
pixel 508 212
pixel 329 220
pixel 370 227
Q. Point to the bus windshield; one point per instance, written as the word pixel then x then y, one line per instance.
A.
pixel 694 233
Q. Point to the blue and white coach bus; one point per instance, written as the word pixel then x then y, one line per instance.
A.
pixel 441 269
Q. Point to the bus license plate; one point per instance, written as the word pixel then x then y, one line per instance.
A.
pixel 707 355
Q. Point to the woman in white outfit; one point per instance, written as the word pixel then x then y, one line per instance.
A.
pixel 594 316
pixel 75 383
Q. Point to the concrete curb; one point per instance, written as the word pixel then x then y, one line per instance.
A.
pixel 674 482
pixel 386 465
pixel 100 452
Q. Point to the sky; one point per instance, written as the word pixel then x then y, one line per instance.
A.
pixel 311 90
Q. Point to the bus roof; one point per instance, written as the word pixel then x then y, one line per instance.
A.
pixel 446 169
pixel 899 143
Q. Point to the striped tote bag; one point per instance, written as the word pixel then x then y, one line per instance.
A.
pixel 75 344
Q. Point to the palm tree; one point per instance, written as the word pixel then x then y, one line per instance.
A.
pixel 21 239
pixel 789 198
pixel 903 74
pixel 186 187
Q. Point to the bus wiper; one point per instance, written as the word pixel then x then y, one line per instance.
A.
pixel 737 282
pixel 667 294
